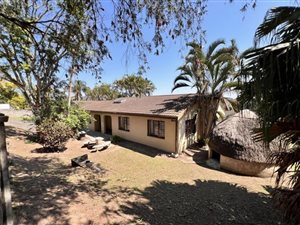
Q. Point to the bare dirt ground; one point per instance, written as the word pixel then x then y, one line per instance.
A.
pixel 137 186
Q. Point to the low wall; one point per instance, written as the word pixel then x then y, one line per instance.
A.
pixel 246 168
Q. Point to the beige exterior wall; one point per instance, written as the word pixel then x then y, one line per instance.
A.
pixel 138 130
pixel 92 123
pixel 246 168
pixel 182 140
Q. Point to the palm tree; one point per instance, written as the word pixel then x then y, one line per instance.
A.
pixel 78 88
pixel 88 93
pixel 212 73
pixel 273 88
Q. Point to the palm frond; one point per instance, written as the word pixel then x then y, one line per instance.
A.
pixel 185 70
pixel 182 78
pixel 219 53
pixel 246 52
pixel 193 45
pixel 234 45
pixel 277 22
pixel 225 57
pixel 231 84
pixel 179 85
pixel 213 46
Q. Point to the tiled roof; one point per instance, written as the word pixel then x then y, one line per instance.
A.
pixel 160 105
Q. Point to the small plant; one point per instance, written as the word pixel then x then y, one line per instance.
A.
pixel 28 118
pixel 116 139
pixel 54 134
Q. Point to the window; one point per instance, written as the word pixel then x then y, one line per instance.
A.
pixel 156 128
pixel 124 123
pixel 190 126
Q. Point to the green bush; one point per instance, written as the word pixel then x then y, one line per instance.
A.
pixel 29 118
pixel 77 119
pixel 115 139
pixel 54 134
pixel 18 102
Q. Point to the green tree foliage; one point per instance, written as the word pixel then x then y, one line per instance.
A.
pixel 122 20
pixel 74 116
pixel 102 92
pixel 30 57
pixel 134 85
pixel 7 91
pixel 38 36
pixel 77 118
pixel 273 72
pixel 18 102
pixel 212 73
pixel 9 94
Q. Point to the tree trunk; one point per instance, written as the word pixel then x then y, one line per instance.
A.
pixel 213 104
pixel 70 89
pixel 199 121
pixel 208 106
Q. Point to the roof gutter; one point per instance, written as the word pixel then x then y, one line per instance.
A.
pixel 136 114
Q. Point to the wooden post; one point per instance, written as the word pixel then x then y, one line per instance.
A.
pixel 7 214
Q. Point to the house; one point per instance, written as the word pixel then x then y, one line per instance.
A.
pixel 166 122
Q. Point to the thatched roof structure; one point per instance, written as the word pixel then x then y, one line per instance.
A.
pixel 234 138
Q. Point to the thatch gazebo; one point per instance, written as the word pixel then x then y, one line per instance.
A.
pixel 239 153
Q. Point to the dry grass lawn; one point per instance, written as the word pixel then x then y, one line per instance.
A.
pixel 134 188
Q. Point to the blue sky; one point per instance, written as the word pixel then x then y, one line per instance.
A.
pixel 223 20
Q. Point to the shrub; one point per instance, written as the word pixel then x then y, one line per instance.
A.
pixel 115 139
pixel 78 118
pixel 54 134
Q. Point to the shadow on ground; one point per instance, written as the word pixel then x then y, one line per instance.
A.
pixel 48 150
pixel 142 149
pixel 205 203
pixel 41 189
pixel 12 131
pixel 28 136
pixel 136 147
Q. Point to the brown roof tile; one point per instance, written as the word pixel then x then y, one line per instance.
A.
pixel 160 105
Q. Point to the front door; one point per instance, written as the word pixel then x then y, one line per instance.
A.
pixel 108 127
pixel 97 123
